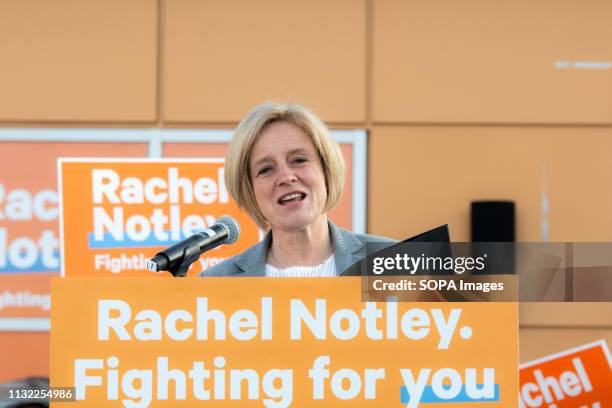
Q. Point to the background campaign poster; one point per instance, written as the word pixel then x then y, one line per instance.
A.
pixel 115 214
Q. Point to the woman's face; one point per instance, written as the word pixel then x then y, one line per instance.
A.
pixel 287 177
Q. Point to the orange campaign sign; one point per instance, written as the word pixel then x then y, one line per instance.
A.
pixel 116 214
pixel 579 377
pixel 276 343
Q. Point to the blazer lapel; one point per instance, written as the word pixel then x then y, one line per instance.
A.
pixel 252 262
pixel 348 249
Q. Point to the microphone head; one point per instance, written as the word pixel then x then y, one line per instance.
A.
pixel 158 263
pixel 232 226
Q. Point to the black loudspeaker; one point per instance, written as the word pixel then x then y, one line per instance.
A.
pixel 493 221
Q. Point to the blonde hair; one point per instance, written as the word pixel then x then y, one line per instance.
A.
pixel 237 171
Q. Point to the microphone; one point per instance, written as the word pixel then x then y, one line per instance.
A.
pixel 178 257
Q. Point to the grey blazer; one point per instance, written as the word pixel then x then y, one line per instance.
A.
pixel 348 249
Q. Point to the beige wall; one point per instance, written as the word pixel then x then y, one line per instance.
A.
pixel 222 57
pixel 478 61
pixel 462 101
pixel 67 61
pixel 435 171
pixel 548 328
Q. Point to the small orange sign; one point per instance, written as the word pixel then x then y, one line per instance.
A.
pixel 116 214
pixel 579 377
pixel 276 343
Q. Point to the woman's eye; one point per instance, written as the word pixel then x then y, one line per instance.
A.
pixel 300 160
pixel 264 170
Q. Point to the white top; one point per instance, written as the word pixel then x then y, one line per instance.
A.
pixel 322 270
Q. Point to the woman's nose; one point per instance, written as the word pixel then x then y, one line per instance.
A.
pixel 286 176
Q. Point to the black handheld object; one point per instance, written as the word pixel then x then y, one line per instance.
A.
pixel 439 238
pixel 179 257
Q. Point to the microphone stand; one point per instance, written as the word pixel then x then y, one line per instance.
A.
pixel 191 254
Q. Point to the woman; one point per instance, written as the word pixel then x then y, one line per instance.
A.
pixel 286 171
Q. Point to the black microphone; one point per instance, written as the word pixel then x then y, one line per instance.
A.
pixel 179 256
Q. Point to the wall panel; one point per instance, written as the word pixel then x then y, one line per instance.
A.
pixel 427 176
pixel 23 355
pixel 479 61
pixel 539 342
pixel 222 58
pixel 556 314
pixel 76 61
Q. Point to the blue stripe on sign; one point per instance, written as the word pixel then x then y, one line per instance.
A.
pixel 429 396
pixel 37 267
pixel 109 242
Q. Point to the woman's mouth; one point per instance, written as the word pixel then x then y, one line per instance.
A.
pixel 291 198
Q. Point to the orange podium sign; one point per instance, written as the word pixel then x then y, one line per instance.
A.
pixel 276 343
pixel 115 214
pixel 579 377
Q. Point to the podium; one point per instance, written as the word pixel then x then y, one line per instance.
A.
pixel 275 343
